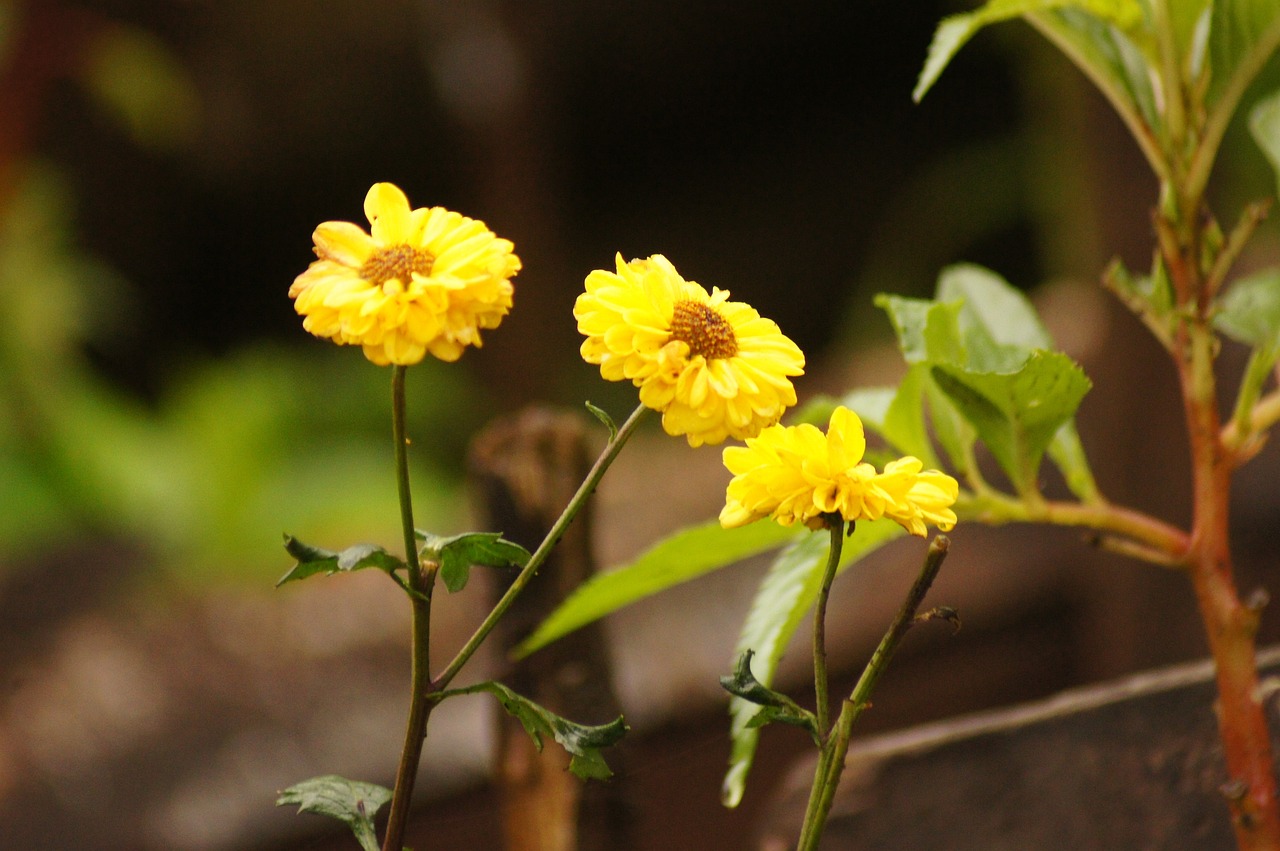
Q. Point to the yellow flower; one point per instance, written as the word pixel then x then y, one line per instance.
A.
pixel 798 474
pixel 715 368
pixel 914 497
pixel 421 280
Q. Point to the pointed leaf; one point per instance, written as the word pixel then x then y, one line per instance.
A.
pixel 774 705
pixel 457 553
pixel 954 32
pixel 1017 414
pixel 352 802
pixel 1264 124
pixel 582 742
pixel 603 416
pixel 313 560
pixel 927 330
pixel 786 595
pixel 680 557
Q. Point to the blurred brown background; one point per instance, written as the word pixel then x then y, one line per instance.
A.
pixel 164 417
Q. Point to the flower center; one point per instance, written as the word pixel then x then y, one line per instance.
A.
pixel 703 329
pixel 398 262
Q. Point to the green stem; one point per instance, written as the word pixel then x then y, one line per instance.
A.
pixel 544 549
pixel 836 527
pixel 836 748
pixel 421 582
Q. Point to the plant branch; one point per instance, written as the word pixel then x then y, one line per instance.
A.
pixel 835 748
pixel 579 498
pixel 1168 544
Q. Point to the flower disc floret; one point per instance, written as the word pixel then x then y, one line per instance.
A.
pixel 420 281
pixel 714 368
pixel 798 474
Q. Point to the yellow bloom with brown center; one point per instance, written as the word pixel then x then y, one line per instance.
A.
pixel 715 368
pixel 798 474
pixel 420 281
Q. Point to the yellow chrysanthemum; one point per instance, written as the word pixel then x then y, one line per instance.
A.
pixel 798 474
pixel 715 368
pixel 421 280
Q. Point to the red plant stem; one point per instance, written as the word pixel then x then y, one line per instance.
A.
pixel 1230 626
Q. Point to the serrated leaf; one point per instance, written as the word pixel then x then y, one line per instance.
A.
pixel 786 595
pixel 1017 414
pixel 680 557
pixel 313 560
pixel 954 32
pixel 1264 125
pixel 774 705
pixel 352 802
pixel 581 741
pixel 456 554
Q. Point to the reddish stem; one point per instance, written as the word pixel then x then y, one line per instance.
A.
pixel 1230 626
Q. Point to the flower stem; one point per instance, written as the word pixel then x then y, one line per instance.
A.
pixel 544 549
pixel 836 747
pixel 822 709
pixel 421 582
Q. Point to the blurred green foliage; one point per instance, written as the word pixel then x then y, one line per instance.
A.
pixel 234 452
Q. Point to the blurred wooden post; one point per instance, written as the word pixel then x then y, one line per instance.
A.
pixel 524 470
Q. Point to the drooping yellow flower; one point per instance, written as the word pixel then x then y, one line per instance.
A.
pixel 715 368
pixel 798 474
pixel 421 280
pixel 914 497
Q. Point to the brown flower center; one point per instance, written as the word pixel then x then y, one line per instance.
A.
pixel 398 262
pixel 703 329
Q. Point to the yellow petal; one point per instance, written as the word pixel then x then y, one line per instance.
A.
pixel 343 242
pixel 387 208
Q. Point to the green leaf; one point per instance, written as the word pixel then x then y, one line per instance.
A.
pixel 1264 124
pixel 1017 413
pixel 774 705
pixel 680 557
pixel 1249 312
pixel 995 316
pixel 313 560
pixel 1242 36
pixel 457 553
pixel 1068 455
pixel 582 742
pixel 927 330
pixel 352 802
pixel 786 595
pixel 603 416
pixel 954 32
pixel 956 436
pixel 897 414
